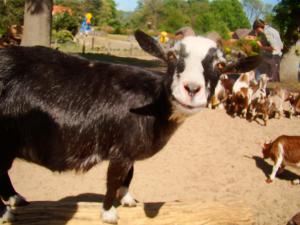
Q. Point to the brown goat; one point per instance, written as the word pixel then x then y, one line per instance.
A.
pixel 284 150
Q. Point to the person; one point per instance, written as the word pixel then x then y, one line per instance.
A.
pixel 271 47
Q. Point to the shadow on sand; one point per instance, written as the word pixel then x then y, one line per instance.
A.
pixel 63 211
pixel 267 169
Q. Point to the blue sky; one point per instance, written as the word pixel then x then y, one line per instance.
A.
pixel 126 5
pixel 130 5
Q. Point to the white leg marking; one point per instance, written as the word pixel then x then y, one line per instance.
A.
pixel 126 197
pixel 110 216
pixel 8 216
pixel 278 163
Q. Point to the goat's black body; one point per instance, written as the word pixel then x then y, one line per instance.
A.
pixel 67 113
pixel 64 112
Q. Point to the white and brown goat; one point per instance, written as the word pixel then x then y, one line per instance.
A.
pixel 242 94
pixel 222 92
pixel 284 151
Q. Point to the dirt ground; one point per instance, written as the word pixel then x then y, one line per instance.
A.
pixel 211 158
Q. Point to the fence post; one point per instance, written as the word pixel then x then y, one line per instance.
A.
pixel 83 46
pixel 93 42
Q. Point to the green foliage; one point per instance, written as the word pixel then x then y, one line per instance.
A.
pixel 148 14
pixel 62 36
pixel 107 13
pixel 231 12
pixel 171 17
pixel 104 11
pixel 203 16
pixel 11 13
pixel 248 47
pixel 64 21
pixel 287 18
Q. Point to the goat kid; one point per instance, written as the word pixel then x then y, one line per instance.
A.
pixel 284 150
pixel 260 108
pixel 67 113
pixel 242 94
pixel 222 92
pixel 294 100
pixel 259 103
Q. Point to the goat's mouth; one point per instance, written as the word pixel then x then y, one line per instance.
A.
pixel 187 106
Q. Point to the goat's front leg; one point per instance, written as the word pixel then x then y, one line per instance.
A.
pixel 123 193
pixel 265 119
pixel 116 175
pixel 276 167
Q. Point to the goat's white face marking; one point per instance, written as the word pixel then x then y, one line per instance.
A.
pixel 189 88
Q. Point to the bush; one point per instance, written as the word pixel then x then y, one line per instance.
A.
pixel 64 21
pixel 62 36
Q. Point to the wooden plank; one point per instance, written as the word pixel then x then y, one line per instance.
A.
pixel 175 213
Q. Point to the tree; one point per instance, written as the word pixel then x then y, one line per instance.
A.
pixel 37 23
pixel 197 11
pixel 256 9
pixel 287 18
pixel 202 15
pixel 148 13
pixel 231 12
pixel 173 15
pixel 64 21
pixel 107 13
pixel 12 13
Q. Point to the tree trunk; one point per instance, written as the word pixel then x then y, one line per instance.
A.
pixel 37 23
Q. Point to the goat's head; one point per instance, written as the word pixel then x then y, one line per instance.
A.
pixel 194 66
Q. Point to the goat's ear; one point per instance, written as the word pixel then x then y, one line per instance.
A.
pixel 150 45
pixel 243 65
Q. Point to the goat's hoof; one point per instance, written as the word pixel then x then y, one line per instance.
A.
pixel 269 180
pixel 17 200
pixel 110 216
pixel 296 182
pixel 6 215
pixel 128 200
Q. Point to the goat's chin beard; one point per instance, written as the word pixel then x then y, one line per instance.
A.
pixel 185 110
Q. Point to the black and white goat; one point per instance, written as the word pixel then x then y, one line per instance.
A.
pixel 68 113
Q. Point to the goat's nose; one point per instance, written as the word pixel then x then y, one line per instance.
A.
pixel 192 89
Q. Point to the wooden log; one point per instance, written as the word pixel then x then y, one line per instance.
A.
pixel 175 213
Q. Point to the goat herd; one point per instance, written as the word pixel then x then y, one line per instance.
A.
pixel 247 98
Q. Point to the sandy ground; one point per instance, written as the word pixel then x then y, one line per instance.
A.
pixel 211 158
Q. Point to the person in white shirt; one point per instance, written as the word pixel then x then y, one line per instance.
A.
pixel 271 48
